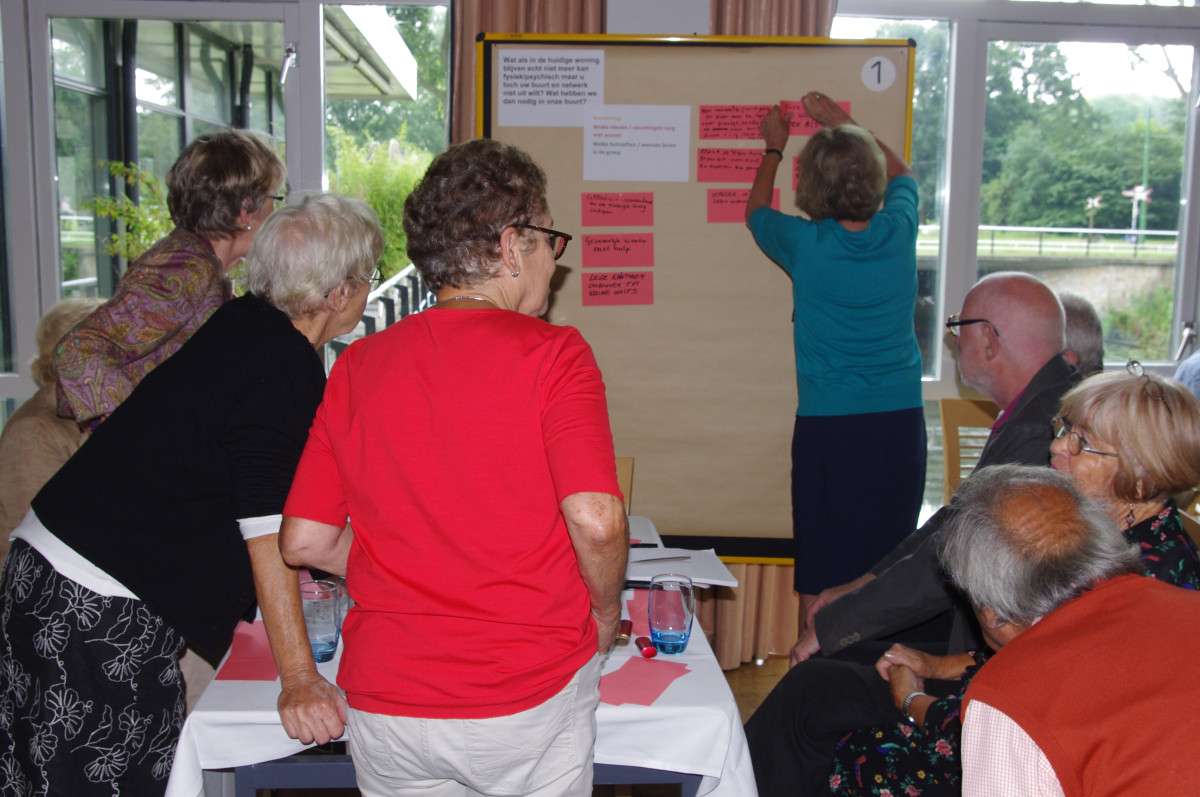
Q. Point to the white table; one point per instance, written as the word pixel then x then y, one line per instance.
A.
pixel 694 727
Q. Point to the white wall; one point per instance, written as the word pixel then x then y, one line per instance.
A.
pixel 658 16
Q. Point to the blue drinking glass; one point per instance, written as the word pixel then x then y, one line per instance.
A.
pixel 321 604
pixel 671 607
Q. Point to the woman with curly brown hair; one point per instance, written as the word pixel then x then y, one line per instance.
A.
pixel 470 444
pixel 220 191
pixel 853 266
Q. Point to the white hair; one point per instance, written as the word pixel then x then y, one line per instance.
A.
pixel 1024 564
pixel 305 251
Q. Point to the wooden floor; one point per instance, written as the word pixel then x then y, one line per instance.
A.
pixel 749 683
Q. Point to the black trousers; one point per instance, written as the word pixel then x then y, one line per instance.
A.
pixel 793 733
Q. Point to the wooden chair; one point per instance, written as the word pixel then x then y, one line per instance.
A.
pixel 1191 525
pixel 625 479
pixel 966 424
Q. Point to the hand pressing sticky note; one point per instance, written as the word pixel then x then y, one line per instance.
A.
pixel 640 681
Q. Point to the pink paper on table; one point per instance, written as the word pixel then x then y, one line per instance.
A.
pixel 729 122
pixel 803 124
pixel 618 249
pixel 715 165
pixel 250 656
pixel 616 209
pixel 728 205
pixel 606 288
pixel 640 681
pixel 639 612
pixel 634 541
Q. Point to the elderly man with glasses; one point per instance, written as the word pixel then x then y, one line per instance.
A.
pixel 1008 342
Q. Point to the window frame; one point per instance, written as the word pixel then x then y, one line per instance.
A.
pixel 972 27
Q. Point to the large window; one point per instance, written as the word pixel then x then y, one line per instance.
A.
pixel 1081 181
pixel 927 159
pixel 378 148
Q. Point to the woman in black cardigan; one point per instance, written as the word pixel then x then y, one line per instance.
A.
pixel 162 530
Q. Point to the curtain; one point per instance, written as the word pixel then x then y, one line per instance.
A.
pixel 772 17
pixel 754 621
pixel 470 17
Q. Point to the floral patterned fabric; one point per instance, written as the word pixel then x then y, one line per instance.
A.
pixel 906 760
pixel 91 696
pixel 164 297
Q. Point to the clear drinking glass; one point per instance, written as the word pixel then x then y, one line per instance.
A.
pixel 321 603
pixel 672 605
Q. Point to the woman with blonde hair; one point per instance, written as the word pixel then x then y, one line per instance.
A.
pixel 852 260
pixel 36 442
pixel 220 192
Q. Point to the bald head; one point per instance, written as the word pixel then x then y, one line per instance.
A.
pixel 1021 541
pixel 1026 331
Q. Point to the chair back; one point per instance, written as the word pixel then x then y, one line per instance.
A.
pixel 966 424
pixel 1191 525
pixel 625 479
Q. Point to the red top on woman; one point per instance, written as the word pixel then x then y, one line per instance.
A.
pixel 449 441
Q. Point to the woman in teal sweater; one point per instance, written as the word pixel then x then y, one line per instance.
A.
pixel 858 445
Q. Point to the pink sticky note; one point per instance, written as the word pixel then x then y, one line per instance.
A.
pixel 728 122
pixel 602 288
pixel 727 165
pixel 728 205
pixel 640 681
pixel 634 541
pixel 639 612
pixel 606 250
pixel 617 209
pixel 250 656
pixel 802 124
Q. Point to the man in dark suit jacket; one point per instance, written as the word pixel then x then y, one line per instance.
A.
pixel 1010 339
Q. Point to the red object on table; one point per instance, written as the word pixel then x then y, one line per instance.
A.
pixel 640 681
pixel 646 647
pixel 250 656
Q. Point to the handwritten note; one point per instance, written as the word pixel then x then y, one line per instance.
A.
pixel 633 209
pixel 730 122
pixel 728 205
pixel 801 123
pixel 727 165
pixel 607 250
pixel 539 88
pixel 608 288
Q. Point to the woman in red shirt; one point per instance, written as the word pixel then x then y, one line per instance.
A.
pixel 470 447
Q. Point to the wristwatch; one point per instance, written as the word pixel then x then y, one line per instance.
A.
pixel 907 704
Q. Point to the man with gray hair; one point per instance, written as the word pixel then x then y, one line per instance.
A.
pixel 1084 695
pixel 1009 338
pixel 1085 335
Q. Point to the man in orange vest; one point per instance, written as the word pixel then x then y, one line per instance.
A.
pixel 1094 688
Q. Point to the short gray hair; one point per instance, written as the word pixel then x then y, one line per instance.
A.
pixel 306 250
pixel 1022 541
pixel 1085 335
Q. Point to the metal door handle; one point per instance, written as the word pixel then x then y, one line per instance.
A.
pixel 1188 337
pixel 289 61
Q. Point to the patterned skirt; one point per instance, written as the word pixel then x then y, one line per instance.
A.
pixel 91 696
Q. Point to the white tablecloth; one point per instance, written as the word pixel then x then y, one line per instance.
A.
pixel 693 727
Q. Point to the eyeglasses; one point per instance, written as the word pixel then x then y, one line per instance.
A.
pixel 376 278
pixel 1076 442
pixel 278 197
pixel 558 240
pixel 954 322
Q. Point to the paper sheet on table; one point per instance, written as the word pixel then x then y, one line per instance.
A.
pixel 250 656
pixel 642 530
pixel 639 612
pixel 703 567
pixel 640 681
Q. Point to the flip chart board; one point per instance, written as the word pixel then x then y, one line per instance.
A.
pixel 649 146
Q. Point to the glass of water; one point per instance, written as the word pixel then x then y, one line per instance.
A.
pixel 321 603
pixel 671 607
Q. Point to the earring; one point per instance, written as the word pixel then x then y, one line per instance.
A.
pixel 515 274
pixel 248 227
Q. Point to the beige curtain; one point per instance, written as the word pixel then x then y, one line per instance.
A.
pixel 471 17
pixel 773 17
pixel 754 621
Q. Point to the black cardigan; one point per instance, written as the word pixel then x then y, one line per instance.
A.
pixel 210 436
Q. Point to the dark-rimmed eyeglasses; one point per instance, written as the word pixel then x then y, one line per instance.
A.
pixel 954 324
pixel 558 240
pixel 1076 442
